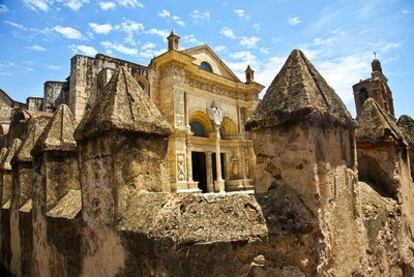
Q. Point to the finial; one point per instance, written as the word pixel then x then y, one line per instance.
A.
pixel 375 55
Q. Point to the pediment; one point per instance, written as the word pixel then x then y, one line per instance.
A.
pixel 204 53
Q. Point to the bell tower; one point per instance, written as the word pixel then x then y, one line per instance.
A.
pixel 375 87
pixel 173 41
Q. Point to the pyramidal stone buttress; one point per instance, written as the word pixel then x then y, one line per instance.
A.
pixel 123 106
pixel 376 126
pixel 58 134
pixel 297 92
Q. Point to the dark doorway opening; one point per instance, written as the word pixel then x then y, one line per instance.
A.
pixel 198 161
pixel 223 169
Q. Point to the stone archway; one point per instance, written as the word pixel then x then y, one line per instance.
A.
pixel 203 119
pixel 228 128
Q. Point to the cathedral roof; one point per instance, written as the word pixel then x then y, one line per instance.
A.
pixel 123 105
pixel 299 92
pixel 23 154
pixel 5 163
pixel 58 133
pixel 406 124
pixel 376 125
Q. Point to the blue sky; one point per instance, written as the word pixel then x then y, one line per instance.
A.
pixel 38 38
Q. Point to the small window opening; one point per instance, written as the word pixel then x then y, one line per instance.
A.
pixel 206 66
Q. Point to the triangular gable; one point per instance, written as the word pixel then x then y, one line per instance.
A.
pixel 205 53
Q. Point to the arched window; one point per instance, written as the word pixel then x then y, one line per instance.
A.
pixel 197 129
pixel 206 66
pixel 363 94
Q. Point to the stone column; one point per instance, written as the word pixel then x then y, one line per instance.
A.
pixel 189 165
pixel 219 182
pixel 216 115
pixel 242 162
pixel 209 168
pixel 190 182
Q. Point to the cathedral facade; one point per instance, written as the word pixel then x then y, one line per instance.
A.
pixel 185 85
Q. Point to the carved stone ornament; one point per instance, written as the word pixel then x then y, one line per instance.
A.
pixel 235 164
pixel 180 167
pixel 215 114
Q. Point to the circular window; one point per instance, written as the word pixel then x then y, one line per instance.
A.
pixel 206 66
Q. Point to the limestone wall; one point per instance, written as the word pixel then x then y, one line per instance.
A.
pixel 54 93
pixel 34 103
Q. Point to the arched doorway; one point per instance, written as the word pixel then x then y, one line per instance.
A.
pixel 201 127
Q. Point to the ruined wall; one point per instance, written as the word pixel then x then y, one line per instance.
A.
pixel 56 175
pixel 387 198
pixel 21 191
pixel 83 86
pixel 54 93
pixel 317 164
pixel 34 103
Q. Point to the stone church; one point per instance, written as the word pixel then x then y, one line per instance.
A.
pixel 184 84
pixel 176 169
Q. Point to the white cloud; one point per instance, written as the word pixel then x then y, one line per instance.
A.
pixel 294 20
pixel 101 28
pixel 76 4
pixel 110 5
pixel 84 50
pixel 324 41
pixel 130 27
pixel 267 71
pixel 227 32
pixel 219 48
pixel 164 13
pixel 256 26
pixel 37 48
pixel 37 4
pixel 159 32
pixel 385 47
pixel 168 15
pixel 52 67
pixel 191 40
pixel 130 3
pixel 249 42
pixel 148 51
pixel 3 9
pixel 148 45
pixel 120 48
pixel 240 13
pixel 199 16
pixel 342 72
pixel 264 50
pixel 16 25
pixel 240 60
pixel 68 32
pixel 107 5
pixel 45 5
